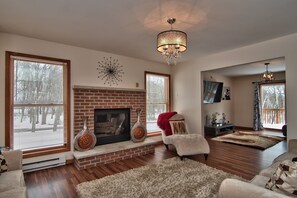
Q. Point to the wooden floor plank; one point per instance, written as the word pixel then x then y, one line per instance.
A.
pixel 242 161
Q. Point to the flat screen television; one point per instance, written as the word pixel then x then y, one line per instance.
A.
pixel 212 92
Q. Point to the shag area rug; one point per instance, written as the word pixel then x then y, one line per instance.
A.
pixel 169 178
pixel 252 139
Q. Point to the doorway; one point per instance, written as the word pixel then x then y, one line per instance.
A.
pixel 273 105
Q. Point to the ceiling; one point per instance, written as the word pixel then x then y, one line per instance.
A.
pixel 275 65
pixel 129 27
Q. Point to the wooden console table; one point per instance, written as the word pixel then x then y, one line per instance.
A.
pixel 214 130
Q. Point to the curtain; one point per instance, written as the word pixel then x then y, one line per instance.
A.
pixel 257 125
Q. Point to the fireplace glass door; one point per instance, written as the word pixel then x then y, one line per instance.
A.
pixel 112 125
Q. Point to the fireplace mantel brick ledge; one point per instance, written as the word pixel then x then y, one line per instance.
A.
pixel 106 88
pixel 109 153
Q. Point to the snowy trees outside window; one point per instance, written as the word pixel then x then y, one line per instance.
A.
pixel 38 98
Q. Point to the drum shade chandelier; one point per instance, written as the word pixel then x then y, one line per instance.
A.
pixel 267 75
pixel 171 43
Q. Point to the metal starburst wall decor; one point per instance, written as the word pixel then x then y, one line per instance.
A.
pixel 110 71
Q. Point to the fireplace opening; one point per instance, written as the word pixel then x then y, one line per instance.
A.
pixel 112 125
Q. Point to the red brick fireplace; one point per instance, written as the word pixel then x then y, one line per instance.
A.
pixel 86 99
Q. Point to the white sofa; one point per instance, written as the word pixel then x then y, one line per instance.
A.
pixel 233 188
pixel 12 183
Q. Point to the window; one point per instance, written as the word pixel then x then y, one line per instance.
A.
pixel 37 104
pixel 273 105
pixel 157 98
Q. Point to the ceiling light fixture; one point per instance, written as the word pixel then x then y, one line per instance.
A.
pixel 267 76
pixel 171 43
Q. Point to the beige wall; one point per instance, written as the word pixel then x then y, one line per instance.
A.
pixel 243 98
pixel 187 80
pixel 83 66
pixel 221 107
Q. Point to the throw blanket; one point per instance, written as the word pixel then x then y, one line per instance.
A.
pixel 163 122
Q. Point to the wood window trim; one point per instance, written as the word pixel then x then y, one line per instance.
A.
pixel 271 82
pixel 155 133
pixel 9 104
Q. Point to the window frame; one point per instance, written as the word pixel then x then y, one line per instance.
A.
pixel 168 105
pixel 9 103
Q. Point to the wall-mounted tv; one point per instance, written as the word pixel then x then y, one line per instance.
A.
pixel 212 91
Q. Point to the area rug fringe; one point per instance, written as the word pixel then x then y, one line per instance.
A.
pixel 168 178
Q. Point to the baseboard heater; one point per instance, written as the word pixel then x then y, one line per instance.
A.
pixel 43 164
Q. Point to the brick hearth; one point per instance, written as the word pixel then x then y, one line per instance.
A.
pixel 86 99
pixel 109 153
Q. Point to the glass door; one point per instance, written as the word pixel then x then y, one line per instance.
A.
pixel 273 105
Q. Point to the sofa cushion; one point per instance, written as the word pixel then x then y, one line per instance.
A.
pixel 12 179
pixel 3 164
pixel 260 180
pixel 268 172
pixel 13 159
pixel 20 192
pixel 284 180
pixel 233 188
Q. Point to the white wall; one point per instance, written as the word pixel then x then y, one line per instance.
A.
pixel 187 77
pixel 225 106
pixel 243 98
pixel 83 66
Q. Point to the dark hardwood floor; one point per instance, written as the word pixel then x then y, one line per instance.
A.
pixel 242 161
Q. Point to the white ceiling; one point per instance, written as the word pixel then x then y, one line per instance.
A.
pixel 276 65
pixel 129 27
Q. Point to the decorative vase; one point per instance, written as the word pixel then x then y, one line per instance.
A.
pixel 85 139
pixel 138 131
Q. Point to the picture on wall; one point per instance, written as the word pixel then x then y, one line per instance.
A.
pixel 226 93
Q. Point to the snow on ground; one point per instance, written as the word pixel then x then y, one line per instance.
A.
pixel 27 125
pixel 44 138
pixel 44 135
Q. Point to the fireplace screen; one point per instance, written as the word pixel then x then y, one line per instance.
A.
pixel 112 125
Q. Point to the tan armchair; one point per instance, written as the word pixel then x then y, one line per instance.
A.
pixel 12 183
